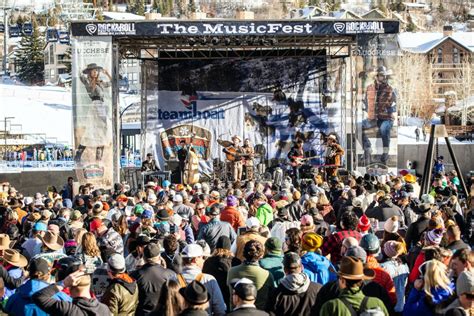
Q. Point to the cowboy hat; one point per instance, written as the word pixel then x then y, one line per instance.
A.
pixel 52 240
pixel 236 137
pixel 14 258
pixel 4 241
pixel 352 268
pixel 91 67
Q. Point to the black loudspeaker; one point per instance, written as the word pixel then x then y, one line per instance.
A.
pixel 175 176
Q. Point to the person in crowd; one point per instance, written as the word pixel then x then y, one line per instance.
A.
pixel 32 246
pixel 215 228
pixel 332 243
pixel 296 294
pixel 351 277
pixel 193 262
pixel 121 296
pixel 107 237
pixel 416 229
pixel 431 293
pixel 196 299
pixel 219 264
pixel 465 292
pixel 89 253
pixel 455 243
pixel 462 260
pixel 397 269
pixel 244 295
pixel 273 259
pixel 231 214
pixel 317 267
pixel 13 263
pixel 171 254
pixel 250 269
pixel 150 279
pixel 182 209
pixel 170 302
pixel 21 303
pixel 264 212
pixel 82 303
pixel 252 225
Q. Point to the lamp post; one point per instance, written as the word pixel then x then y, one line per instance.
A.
pixel 121 123
pixel 5 120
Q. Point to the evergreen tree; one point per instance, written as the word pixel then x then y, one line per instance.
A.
pixel 68 59
pixel 30 58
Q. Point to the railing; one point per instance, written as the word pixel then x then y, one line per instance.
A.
pixel 448 81
pixel 447 66
pixel 6 165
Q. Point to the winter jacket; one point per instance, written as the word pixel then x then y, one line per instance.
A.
pixel 458 245
pixel 382 278
pixel 369 288
pixel 274 264
pixel 150 279
pixel 419 304
pixel 174 261
pixel 216 304
pixel 247 310
pixel 184 211
pixel 215 229
pixel 218 267
pixel 385 211
pixel 80 306
pixel 232 216
pixel 264 214
pixel 415 230
pixel 262 279
pixel 295 211
pixel 399 272
pixel 121 296
pixel 21 303
pixel 295 295
pixel 318 268
pixel 238 247
pixel 354 296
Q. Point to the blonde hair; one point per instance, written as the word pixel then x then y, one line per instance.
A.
pixel 89 245
pixel 435 277
pixel 323 199
pixel 79 234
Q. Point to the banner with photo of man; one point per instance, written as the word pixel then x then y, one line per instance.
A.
pixel 92 110
pixel 376 57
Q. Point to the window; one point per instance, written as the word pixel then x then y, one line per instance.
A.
pixel 440 56
pixel 133 78
pixel 46 57
pixel 455 55
pixel 53 73
pixel 51 54
pixel 62 71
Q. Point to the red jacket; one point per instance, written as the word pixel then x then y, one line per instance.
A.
pixel 232 216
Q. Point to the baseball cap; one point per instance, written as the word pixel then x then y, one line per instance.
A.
pixel 151 197
pixel 40 227
pixel 252 222
pixel 117 263
pixel 147 214
pixel 152 250
pixel 192 251
pixel 291 260
pixel 245 289
pixel 213 210
pixel 76 215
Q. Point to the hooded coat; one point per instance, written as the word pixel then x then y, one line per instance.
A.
pixel 80 306
pixel 318 268
pixel 121 296
pixel 418 303
pixel 295 295
pixel 21 303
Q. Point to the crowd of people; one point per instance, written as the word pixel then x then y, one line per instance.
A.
pixel 362 245
pixel 39 154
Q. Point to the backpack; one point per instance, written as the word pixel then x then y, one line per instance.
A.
pixel 363 311
pixel 182 281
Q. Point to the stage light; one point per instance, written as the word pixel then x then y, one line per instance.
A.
pixel 227 41
pixel 273 41
pixel 237 41
pixel 215 41
pixel 203 41
pixel 191 41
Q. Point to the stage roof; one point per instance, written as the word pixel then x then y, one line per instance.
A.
pixel 204 39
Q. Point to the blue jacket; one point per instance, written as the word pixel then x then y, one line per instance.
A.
pixel 21 304
pixel 318 268
pixel 416 301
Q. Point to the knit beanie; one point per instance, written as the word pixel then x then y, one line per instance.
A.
pixel 232 200
pixel 392 248
pixel 364 223
pixel 433 237
pixel 391 225
pixel 311 242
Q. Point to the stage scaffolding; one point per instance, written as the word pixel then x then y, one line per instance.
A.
pixel 333 39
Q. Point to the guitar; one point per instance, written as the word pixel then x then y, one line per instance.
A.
pixel 300 161
pixel 232 154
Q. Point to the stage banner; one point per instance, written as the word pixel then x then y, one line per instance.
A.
pixel 92 110
pixel 376 58
pixel 270 101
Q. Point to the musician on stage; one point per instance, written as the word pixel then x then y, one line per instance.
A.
pixel 334 153
pixel 182 154
pixel 295 155
pixel 148 166
pixel 248 160
pixel 234 151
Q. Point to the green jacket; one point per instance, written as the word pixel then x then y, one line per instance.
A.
pixel 264 214
pixel 262 279
pixel 354 296
pixel 121 297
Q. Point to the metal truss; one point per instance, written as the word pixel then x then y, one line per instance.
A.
pixel 230 47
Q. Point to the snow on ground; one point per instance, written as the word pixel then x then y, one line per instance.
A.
pixel 406 135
